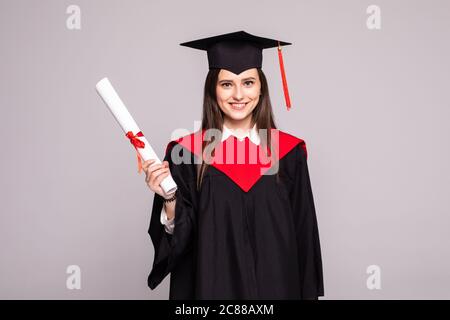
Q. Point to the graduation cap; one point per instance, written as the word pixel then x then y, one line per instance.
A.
pixel 239 51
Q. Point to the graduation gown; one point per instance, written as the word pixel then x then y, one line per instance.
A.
pixel 242 235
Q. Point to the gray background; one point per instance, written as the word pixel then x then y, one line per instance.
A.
pixel 372 106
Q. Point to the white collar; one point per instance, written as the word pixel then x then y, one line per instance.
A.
pixel 241 134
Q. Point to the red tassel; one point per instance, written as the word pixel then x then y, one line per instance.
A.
pixel 283 78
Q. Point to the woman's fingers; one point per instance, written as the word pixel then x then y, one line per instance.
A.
pixel 151 169
pixel 147 163
pixel 155 171
pixel 161 177
pixel 154 175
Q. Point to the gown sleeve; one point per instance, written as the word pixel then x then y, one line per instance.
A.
pixel 172 250
pixel 305 221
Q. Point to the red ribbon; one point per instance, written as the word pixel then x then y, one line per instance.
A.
pixel 137 144
pixel 283 77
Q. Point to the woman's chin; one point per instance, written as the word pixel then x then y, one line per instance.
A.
pixel 237 115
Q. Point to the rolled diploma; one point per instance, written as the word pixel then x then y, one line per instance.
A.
pixel 126 121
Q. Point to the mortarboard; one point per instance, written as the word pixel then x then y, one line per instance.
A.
pixel 239 51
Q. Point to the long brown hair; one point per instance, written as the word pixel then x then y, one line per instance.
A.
pixel 212 117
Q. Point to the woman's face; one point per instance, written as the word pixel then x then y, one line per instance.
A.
pixel 238 95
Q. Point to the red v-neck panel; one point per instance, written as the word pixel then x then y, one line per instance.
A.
pixel 245 174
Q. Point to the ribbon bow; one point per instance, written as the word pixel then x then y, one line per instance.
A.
pixel 137 144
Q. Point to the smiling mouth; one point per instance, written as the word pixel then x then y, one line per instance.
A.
pixel 238 106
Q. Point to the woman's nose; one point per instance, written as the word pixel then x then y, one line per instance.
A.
pixel 238 94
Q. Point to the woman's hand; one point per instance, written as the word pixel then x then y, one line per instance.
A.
pixel 154 174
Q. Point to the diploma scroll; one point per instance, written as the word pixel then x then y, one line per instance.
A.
pixel 131 129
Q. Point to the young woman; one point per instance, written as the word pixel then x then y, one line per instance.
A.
pixel 236 229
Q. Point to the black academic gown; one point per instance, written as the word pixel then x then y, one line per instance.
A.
pixel 239 240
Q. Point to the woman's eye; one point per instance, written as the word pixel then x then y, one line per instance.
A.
pixel 228 84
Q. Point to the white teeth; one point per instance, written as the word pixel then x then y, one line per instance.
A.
pixel 238 105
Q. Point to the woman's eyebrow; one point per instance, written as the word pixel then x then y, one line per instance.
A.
pixel 226 80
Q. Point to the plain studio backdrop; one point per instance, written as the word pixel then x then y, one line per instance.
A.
pixel 371 104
